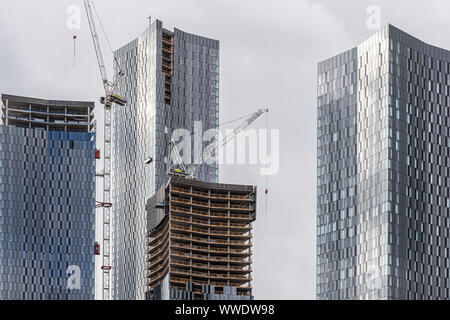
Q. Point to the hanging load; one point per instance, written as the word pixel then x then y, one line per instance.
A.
pixel 97 249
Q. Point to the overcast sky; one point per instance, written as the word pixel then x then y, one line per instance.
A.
pixel 269 55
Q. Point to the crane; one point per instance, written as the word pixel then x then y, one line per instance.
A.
pixel 191 170
pixel 110 98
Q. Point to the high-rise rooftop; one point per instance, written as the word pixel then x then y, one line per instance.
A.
pixel 54 115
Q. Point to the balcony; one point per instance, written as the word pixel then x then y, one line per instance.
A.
pixel 161 259
pixel 230 225
pixel 215 233
pixel 180 263
pixel 211 195
pixel 154 254
pixel 212 205
pixel 198 282
pixel 212 215
pixel 157 244
pixel 158 232
pixel 204 258
pixel 160 237
pixel 157 267
pixel 197 274
pixel 157 278
pixel 244 244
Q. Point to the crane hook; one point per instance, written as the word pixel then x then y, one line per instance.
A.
pixel 74 48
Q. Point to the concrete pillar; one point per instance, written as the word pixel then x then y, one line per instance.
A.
pixel 6 113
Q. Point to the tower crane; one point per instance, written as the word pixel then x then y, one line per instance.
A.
pixel 110 98
pixel 191 170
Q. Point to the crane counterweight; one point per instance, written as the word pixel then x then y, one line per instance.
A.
pixel 110 98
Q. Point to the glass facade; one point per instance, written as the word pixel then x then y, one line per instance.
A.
pixel 383 201
pixel 171 81
pixel 47 219
pixel 337 174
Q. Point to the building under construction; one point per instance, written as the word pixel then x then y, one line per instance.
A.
pixel 200 241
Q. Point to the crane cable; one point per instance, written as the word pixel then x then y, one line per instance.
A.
pixel 104 33
pixel 237 119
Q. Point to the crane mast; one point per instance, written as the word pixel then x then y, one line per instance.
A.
pixel 108 100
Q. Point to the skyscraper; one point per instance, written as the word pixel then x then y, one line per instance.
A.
pixel 47 189
pixel 383 228
pixel 200 241
pixel 171 81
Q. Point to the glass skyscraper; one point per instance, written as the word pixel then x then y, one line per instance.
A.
pixel 383 211
pixel 171 81
pixel 47 189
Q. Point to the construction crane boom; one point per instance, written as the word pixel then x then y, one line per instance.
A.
pixel 253 117
pixel 107 101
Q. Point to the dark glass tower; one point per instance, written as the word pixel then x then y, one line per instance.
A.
pixel 47 189
pixel 383 171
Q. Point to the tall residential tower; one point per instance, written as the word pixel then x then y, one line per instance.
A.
pixel 383 209
pixel 47 189
pixel 171 81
